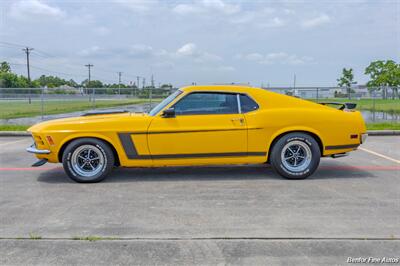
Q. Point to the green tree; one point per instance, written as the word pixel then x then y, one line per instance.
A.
pixel 346 80
pixel 5 67
pixel 384 74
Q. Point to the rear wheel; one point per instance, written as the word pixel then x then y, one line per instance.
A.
pixel 295 156
pixel 88 160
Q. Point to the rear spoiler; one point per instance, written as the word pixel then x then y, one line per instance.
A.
pixel 105 112
pixel 343 106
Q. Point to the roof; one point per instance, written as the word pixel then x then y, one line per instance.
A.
pixel 235 88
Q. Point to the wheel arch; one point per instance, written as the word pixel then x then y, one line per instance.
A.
pixel 108 142
pixel 282 133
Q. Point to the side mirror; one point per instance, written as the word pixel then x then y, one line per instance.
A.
pixel 170 112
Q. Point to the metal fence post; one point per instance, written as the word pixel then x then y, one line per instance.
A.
pixel 94 98
pixel 41 101
pixel 373 104
pixel 317 95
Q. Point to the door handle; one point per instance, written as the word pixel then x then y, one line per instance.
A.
pixel 241 120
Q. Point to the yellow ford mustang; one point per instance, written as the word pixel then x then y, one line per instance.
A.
pixel 202 125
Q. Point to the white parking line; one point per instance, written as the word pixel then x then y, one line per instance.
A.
pixel 12 142
pixel 380 155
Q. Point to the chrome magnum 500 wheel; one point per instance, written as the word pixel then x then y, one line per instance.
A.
pixel 88 160
pixel 295 156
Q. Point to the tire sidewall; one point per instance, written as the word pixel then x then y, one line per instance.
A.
pixel 277 161
pixel 105 152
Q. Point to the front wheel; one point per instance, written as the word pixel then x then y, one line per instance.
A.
pixel 88 160
pixel 295 156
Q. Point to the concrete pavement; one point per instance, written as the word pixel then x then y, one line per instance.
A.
pixel 209 215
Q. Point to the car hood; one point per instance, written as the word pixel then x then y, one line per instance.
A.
pixel 106 122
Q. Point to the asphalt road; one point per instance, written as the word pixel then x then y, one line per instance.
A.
pixel 212 215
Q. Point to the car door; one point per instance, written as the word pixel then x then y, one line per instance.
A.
pixel 205 125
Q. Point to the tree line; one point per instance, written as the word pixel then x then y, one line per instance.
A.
pixel 383 75
pixel 8 79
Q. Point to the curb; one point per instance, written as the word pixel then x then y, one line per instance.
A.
pixel 370 133
pixel 383 132
pixel 14 134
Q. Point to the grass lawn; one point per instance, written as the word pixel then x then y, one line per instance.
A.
pixel 13 127
pixel 381 126
pixel 370 126
pixel 17 109
pixel 388 105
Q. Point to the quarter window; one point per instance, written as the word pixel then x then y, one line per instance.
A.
pixel 207 103
pixel 247 104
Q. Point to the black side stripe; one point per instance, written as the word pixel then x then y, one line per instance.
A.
pixel 207 155
pixel 187 131
pixel 131 152
pixel 127 144
pixel 339 147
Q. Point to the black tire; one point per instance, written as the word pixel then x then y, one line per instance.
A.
pixel 307 158
pixel 78 166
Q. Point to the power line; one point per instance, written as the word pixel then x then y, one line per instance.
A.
pixel 56 72
pixel 43 54
pixel 13 44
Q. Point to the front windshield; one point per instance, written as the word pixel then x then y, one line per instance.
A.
pixel 164 103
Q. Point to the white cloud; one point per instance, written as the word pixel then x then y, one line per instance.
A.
pixel 254 57
pixel 31 9
pixel 191 50
pixel 206 7
pixel 315 22
pixel 185 9
pixel 188 49
pixel 281 58
pixel 221 6
pixel 226 68
pixel 92 51
pixel 141 51
pixel 138 5
pixel 272 23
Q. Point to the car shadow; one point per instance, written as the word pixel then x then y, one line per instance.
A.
pixel 206 173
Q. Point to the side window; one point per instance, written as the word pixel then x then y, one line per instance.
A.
pixel 207 103
pixel 247 104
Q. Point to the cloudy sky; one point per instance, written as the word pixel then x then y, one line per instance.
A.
pixel 209 41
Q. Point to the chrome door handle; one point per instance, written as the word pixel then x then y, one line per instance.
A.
pixel 241 120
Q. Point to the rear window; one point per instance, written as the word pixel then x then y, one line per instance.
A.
pixel 247 104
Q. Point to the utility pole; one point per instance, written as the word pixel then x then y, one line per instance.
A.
pixel 119 83
pixel 88 84
pixel 27 50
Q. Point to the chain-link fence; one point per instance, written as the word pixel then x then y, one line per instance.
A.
pixel 31 105
pixel 377 105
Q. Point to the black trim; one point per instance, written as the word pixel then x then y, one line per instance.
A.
pixel 128 145
pixel 209 92
pixel 105 112
pixel 207 155
pixel 343 106
pixel 187 131
pixel 131 152
pixel 339 147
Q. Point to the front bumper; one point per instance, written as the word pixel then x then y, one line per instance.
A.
pixel 33 149
pixel 363 137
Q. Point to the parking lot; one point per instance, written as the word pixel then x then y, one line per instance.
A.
pixel 212 215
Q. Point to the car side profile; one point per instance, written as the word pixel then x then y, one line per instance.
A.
pixel 202 125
